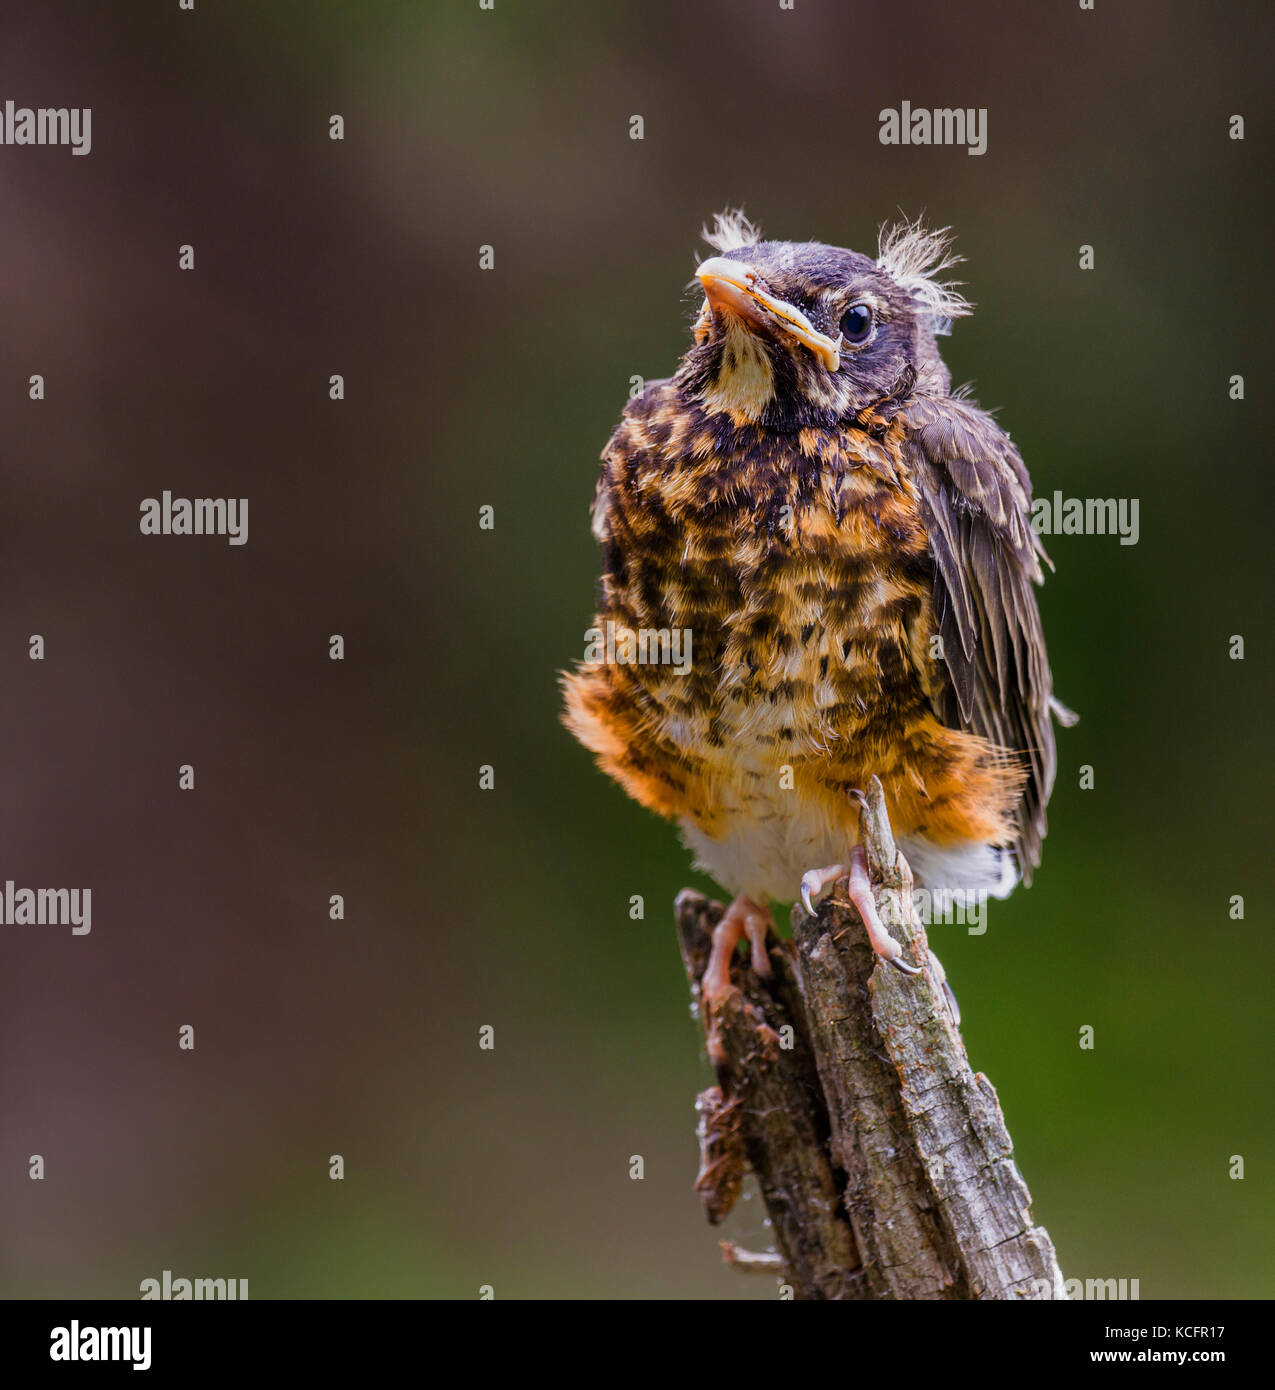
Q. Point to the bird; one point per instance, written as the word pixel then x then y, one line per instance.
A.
pixel 842 545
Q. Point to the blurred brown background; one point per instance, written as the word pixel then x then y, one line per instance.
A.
pixel 464 388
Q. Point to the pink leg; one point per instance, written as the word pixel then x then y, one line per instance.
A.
pixel 743 918
pixel 859 891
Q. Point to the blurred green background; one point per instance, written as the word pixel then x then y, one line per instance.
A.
pixel 509 908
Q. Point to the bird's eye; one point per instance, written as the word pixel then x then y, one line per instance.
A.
pixel 856 323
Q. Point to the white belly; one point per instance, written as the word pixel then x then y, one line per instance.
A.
pixel 765 857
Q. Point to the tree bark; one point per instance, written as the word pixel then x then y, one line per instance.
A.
pixel 882 1159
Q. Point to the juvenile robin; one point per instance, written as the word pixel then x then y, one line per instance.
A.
pixel 844 544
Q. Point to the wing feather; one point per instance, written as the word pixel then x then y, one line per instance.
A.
pixel 976 505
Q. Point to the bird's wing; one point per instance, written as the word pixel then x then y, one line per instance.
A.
pixel 993 674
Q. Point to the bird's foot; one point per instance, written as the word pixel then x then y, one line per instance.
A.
pixel 859 891
pixel 743 918
pixel 816 882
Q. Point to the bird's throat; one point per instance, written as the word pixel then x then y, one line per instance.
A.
pixel 744 384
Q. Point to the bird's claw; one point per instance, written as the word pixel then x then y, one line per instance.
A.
pixel 815 882
pixel 859 888
pixel 936 967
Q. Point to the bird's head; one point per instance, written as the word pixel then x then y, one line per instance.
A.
pixel 792 334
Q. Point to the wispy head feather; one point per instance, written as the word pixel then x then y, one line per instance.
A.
pixel 914 257
pixel 730 231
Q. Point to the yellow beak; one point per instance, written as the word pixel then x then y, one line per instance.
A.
pixel 734 287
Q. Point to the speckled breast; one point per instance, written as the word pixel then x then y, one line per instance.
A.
pixel 799 567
